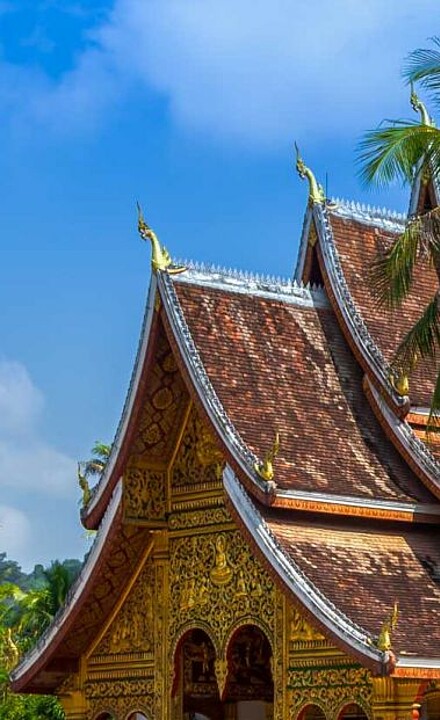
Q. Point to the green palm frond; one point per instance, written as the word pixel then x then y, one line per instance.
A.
pixel 423 66
pixel 422 341
pixel 392 272
pixel 394 152
pixel 434 410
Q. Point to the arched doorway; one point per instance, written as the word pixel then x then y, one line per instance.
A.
pixel 137 716
pixel 105 716
pixel 311 712
pixel 249 686
pixel 195 684
pixel 353 711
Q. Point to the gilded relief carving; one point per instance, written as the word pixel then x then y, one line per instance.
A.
pixel 163 409
pixel 299 629
pixel 144 494
pixel 216 581
pixel 199 518
pixel 199 459
pixel 120 697
pixel 132 629
pixel 329 687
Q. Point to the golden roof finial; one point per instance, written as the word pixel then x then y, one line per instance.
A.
pixel 160 257
pixel 265 469
pixel 85 487
pixel 384 641
pixel 316 191
pixel 419 106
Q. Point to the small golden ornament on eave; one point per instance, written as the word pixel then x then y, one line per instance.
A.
pixel 384 641
pixel 400 382
pixel 265 470
pixel 160 257
pixel 316 191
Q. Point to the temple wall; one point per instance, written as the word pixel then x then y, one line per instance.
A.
pixel 199 575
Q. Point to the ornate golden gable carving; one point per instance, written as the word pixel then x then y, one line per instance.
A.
pixel 163 409
pixel 132 629
pixel 299 629
pixel 198 460
pixel 144 494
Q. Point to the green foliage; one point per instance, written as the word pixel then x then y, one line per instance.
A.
pixel 31 707
pixel 96 464
pixel 26 610
pixel 399 151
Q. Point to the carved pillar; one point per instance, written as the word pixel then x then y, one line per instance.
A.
pixel 74 705
pixel 393 698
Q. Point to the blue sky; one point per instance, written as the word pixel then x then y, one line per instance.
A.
pixel 192 107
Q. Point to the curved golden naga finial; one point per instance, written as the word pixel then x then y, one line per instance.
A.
pixel 384 641
pixel 316 191
pixel 85 487
pixel 265 469
pixel 160 257
pixel 419 106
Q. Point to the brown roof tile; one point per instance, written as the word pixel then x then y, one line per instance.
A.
pixel 358 244
pixel 363 571
pixel 278 366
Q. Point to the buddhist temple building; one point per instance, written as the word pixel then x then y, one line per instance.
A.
pixel 268 523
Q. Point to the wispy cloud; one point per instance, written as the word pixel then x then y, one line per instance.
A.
pixel 27 462
pixel 247 70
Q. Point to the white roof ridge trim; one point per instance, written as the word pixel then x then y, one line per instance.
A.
pixel 77 588
pixel 352 500
pixel 315 601
pixel 380 217
pixel 265 286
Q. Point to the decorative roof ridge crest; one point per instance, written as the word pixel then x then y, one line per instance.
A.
pixel 270 283
pixel 365 209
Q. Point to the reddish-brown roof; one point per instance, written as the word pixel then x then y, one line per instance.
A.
pixel 364 570
pixel 358 244
pixel 278 366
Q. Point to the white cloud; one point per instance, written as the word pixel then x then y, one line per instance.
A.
pixel 14 531
pixel 27 462
pixel 20 401
pixel 258 71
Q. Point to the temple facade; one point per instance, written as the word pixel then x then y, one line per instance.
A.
pixel 268 522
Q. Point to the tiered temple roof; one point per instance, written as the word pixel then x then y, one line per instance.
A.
pixel 350 521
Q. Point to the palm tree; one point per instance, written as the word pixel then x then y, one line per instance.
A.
pixel 40 605
pixel 399 150
pixel 96 464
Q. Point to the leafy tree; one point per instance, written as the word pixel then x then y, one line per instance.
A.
pixel 40 605
pixel 399 150
pixel 24 614
pixel 96 464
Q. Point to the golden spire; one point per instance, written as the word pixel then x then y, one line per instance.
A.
pixel 265 469
pixel 160 257
pixel 419 106
pixel 384 641
pixel 316 191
